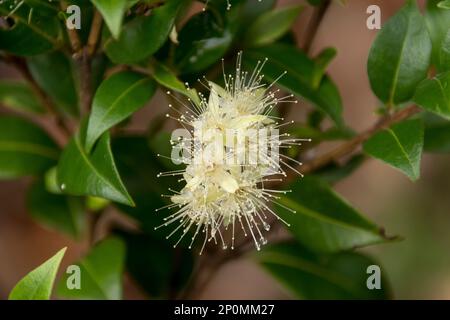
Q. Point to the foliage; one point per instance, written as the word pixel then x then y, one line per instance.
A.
pixel 88 83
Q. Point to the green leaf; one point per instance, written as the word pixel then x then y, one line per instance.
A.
pixel 203 41
pixel 32 32
pixel 445 4
pixel 434 95
pixel 400 56
pixel 309 275
pixel 101 273
pixel 299 78
pixel 155 265
pixel 437 134
pixel 322 61
pixel 38 284
pixel 95 174
pixel 445 53
pixel 167 78
pixel 59 212
pixel 24 148
pixel 399 146
pixel 140 166
pixel 19 96
pixel 112 12
pixel 438 24
pixel 116 99
pixel 144 35
pixel 335 172
pixel 280 20
pixel 323 221
pixel 54 73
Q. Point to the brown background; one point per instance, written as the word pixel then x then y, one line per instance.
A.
pixel 418 267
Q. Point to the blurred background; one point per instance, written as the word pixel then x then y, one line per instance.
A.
pixel 418 267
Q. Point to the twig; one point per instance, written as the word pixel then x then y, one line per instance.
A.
pixel 94 34
pixel 74 38
pixel 58 125
pixel 352 144
pixel 314 24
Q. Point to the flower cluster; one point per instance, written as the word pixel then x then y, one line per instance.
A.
pixel 220 195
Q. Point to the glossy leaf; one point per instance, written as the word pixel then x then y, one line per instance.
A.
pixel 116 99
pixel 322 61
pixel 24 148
pixel 203 41
pixel 309 275
pixel 95 174
pixel 280 21
pixel 144 35
pixel 112 12
pixel 165 77
pixel 399 146
pixel 38 284
pixel 62 213
pixel 323 221
pixel 400 56
pixel 31 33
pixel 19 96
pixel 54 73
pixel 155 265
pixel 101 273
pixel 438 24
pixel 434 95
pixel 299 78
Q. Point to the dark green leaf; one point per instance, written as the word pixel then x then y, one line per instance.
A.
pixel 335 172
pixel 35 29
pixel 140 166
pixel 18 96
pixel 24 148
pixel 144 35
pixel 59 212
pixel 434 95
pixel 309 275
pixel 445 53
pixel 437 134
pixel 112 12
pixel 323 221
pixel 203 41
pixel 116 99
pixel 322 61
pixel 54 72
pixel 400 56
pixel 101 273
pixel 38 284
pixel 166 78
pixel 399 146
pixel 155 265
pixel 95 174
pixel 271 25
pixel 438 24
pixel 299 78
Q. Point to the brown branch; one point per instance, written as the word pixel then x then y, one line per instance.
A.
pixel 74 38
pixel 349 146
pixel 94 34
pixel 314 24
pixel 58 126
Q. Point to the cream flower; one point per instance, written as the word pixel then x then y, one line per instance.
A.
pixel 231 163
